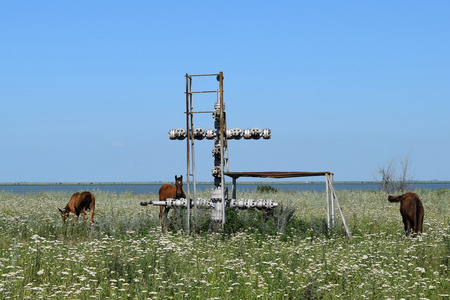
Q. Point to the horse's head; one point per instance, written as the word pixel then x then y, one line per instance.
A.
pixel 179 186
pixel 64 214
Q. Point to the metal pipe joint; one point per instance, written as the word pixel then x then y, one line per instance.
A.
pixel 251 203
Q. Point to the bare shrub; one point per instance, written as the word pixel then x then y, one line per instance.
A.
pixel 396 175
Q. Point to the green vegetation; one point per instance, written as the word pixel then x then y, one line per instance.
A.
pixel 266 189
pixel 286 254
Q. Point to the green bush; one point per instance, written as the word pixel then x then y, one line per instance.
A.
pixel 266 189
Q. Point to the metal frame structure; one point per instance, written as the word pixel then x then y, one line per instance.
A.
pixel 219 194
pixel 220 134
pixel 332 198
pixel 190 145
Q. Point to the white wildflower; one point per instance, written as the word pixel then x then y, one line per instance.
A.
pixel 90 272
pixel 419 269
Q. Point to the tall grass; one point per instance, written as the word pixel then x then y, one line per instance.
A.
pixel 287 255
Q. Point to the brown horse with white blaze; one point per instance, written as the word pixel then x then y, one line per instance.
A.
pixel 79 203
pixel 170 191
pixel 412 211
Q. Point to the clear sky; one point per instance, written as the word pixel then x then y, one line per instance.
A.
pixel 90 89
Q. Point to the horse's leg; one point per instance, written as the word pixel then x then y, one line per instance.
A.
pixel 166 214
pixel 407 225
pixel 84 214
pixel 417 222
pixel 175 216
pixel 74 219
pixel 92 215
pixel 161 210
pixel 413 226
pixel 420 222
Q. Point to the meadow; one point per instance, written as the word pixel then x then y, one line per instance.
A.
pixel 290 254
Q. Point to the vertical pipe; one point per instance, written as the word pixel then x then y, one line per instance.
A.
pixel 226 142
pixel 193 153
pixel 234 188
pixel 221 147
pixel 188 153
pixel 332 200
pixel 328 200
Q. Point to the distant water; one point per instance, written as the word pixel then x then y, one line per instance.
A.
pixel 245 187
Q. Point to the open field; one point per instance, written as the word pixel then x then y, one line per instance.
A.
pixel 291 255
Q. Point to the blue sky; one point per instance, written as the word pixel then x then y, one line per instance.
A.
pixel 90 89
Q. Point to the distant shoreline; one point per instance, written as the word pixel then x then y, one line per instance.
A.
pixel 204 183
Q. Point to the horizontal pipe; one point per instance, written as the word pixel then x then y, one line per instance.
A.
pixel 212 203
pixel 202 203
pixel 160 203
pixel 199 75
pixel 200 112
pixel 201 92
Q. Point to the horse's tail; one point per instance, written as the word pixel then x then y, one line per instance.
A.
pixel 395 198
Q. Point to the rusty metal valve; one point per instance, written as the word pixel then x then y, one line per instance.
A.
pixel 256 133
pixel 172 134
pixel 216 151
pixel 181 133
pixel 199 134
pixel 216 115
pixel 177 134
pixel 210 134
pixel 247 134
pixel 216 171
pixel 251 203
pixel 237 133
pixel 181 202
pixel 229 134
pixel 266 133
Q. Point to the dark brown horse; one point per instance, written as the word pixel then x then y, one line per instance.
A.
pixel 412 212
pixel 170 191
pixel 79 203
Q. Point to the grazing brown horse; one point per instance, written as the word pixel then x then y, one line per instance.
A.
pixel 170 191
pixel 78 203
pixel 412 212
